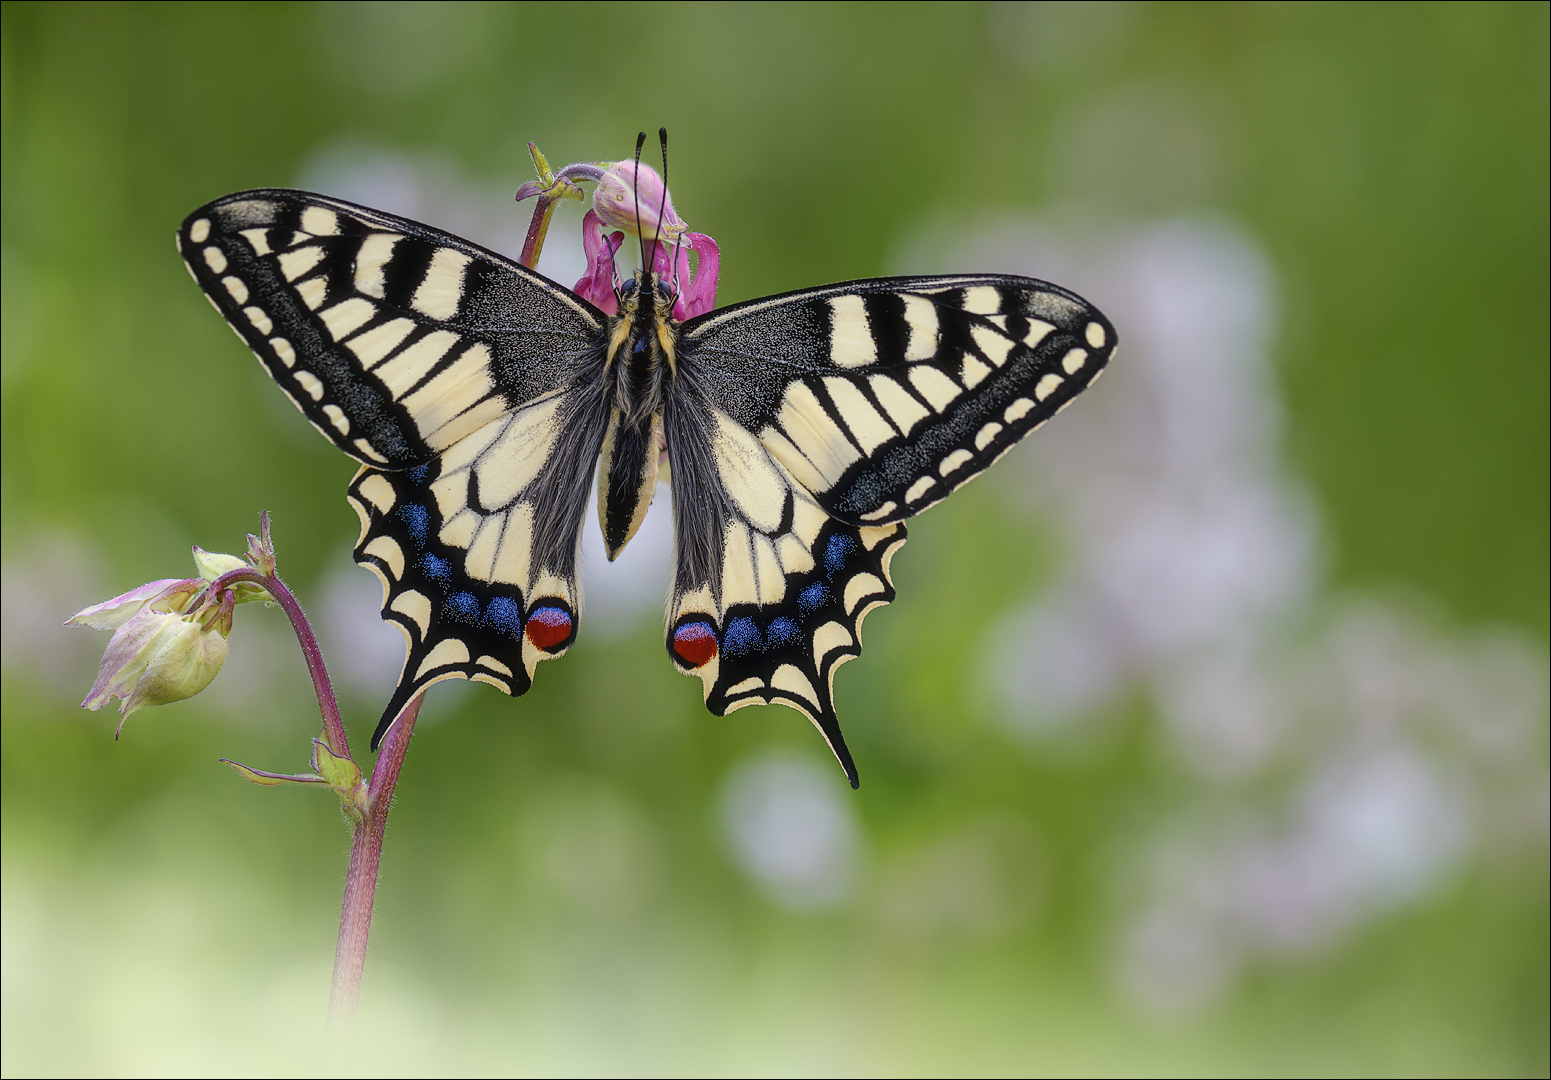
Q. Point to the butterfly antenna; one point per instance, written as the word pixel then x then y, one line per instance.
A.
pixel 662 138
pixel 635 193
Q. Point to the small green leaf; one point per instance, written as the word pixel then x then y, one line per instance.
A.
pixel 344 776
pixel 272 779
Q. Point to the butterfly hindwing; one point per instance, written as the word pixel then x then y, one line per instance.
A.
pixel 477 550
pixel 394 339
pixel 769 589
pixel 881 397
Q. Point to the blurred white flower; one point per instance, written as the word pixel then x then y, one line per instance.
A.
pixel 789 826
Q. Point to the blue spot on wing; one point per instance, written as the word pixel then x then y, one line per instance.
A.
pixel 504 615
pixel 742 637
pixel 836 552
pixel 812 598
pixel 437 569
pixel 418 474
pixel 464 607
pixel 417 519
pixel 783 631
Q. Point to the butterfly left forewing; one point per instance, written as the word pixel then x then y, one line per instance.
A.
pixel 469 387
pixel 393 338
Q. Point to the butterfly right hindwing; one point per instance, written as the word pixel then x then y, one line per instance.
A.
pixel 769 590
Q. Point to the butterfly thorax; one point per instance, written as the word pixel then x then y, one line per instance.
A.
pixel 641 362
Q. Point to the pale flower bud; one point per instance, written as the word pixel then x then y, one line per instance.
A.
pixel 159 653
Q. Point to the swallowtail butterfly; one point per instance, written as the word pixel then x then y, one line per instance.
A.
pixel 480 397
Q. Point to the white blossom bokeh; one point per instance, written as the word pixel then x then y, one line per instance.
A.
pixel 1346 753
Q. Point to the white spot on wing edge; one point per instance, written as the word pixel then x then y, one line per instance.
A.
pixel 920 488
pixel 1095 335
pixel 320 221
pixel 882 512
pixel 985 435
pixel 259 320
pixel 199 230
pixel 1017 410
pixel 388 550
pixel 235 287
pixel 310 383
pixel 1047 386
pixel 415 605
pixel 338 418
pixel 1074 360
pixel 954 461
pixel 215 259
pixel 283 350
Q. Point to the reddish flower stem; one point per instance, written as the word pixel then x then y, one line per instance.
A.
pixel 355 922
pixel 333 727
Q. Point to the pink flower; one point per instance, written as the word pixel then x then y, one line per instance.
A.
pixel 630 199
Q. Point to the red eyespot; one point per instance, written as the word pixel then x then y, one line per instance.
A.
pixel 695 643
pixel 548 627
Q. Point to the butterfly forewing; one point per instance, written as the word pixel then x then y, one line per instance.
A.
pixel 881 397
pixel 471 387
pixel 393 339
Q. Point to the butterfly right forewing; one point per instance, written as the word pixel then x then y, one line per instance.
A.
pixel 884 396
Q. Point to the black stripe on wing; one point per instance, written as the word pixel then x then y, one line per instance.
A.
pixel 394 339
pixel 881 397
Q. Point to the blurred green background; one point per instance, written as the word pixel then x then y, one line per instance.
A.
pixel 560 890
